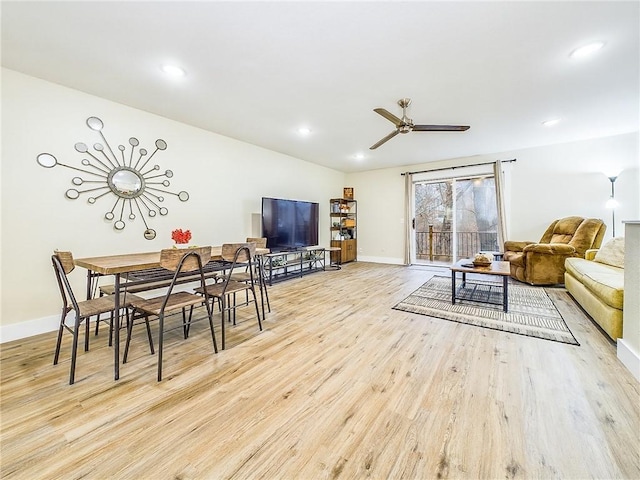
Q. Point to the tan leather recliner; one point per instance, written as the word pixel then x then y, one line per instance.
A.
pixel 542 263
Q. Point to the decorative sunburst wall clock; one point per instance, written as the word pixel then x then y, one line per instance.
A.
pixel 136 186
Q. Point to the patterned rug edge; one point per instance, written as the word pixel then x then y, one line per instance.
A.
pixel 491 324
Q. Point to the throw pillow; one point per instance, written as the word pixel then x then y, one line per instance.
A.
pixel 612 253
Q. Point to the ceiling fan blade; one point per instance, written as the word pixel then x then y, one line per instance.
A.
pixel 380 142
pixel 388 115
pixel 440 128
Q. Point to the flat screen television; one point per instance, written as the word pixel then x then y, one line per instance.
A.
pixel 289 224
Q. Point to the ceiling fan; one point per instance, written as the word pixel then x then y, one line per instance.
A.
pixel 406 125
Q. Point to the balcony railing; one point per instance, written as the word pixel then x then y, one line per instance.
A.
pixel 435 245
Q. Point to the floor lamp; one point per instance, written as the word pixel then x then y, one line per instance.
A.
pixel 612 203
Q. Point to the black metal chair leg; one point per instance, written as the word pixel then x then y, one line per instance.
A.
pixel 86 335
pixel 263 286
pixel 111 325
pixel 255 301
pixel 56 356
pixel 213 334
pixel 99 321
pixel 222 322
pixel 187 325
pixel 234 308
pixel 74 352
pixel 160 345
pixel 146 321
pixel 128 342
pixel 266 295
pixel 185 328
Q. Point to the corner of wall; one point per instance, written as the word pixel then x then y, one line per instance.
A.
pixel 629 358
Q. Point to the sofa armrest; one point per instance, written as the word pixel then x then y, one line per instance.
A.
pixel 514 246
pixel 550 249
pixel 590 254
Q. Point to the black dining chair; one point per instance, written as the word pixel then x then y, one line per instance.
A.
pixel 258 274
pixel 177 261
pixel 238 255
pixel 63 265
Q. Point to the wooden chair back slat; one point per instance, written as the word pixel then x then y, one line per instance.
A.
pixel 170 258
pixel 261 242
pixel 66 259
pixel 229 252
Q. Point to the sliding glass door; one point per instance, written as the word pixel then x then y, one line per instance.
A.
pixel 454 218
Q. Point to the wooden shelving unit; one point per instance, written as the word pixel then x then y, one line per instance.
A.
pixel 344 227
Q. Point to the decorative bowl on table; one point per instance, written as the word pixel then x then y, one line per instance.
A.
pixel 482 260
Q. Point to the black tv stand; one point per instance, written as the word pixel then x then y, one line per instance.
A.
pixel 289 250
pixel 287 264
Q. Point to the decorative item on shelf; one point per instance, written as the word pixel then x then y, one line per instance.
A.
pixel 181 238
pixel 482 259
pixel 278 262
pixel 138 188
pixel 348 223
pixel 347 193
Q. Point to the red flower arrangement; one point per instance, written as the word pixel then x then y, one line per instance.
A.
pixel 181 237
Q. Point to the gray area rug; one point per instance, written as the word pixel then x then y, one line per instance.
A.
pixel 531 311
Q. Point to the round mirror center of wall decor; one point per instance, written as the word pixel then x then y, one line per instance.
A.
pixel 126 182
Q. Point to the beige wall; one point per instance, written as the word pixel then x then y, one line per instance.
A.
pixel 225 179
pixel 547 182
pixel 38 116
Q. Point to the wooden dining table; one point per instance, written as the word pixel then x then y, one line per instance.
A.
pixel 129 263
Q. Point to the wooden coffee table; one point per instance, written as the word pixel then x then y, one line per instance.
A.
pixel 480 292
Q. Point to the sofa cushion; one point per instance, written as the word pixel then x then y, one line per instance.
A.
pixel 572 265
pixel 612 253
pixel 605 281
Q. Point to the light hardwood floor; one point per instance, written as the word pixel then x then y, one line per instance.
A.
pixel 338 385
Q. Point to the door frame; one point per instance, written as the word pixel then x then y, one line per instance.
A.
pixel 435 176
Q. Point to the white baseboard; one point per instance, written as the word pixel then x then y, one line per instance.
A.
pixel 17 331
pixel 388 260
pixel 629 358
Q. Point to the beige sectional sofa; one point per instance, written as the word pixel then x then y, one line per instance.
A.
pixel 596 282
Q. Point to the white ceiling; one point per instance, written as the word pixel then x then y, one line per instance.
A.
pixel 256 71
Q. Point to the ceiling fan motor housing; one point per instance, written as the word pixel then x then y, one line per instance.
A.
pixel 406 125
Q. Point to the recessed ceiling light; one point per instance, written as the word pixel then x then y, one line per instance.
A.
pixel 586 50
pixel 551 123
pixel 304 131
pixel 173 71
pixel 359 156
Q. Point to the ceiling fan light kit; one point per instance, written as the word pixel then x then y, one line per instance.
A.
pixel 406 125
